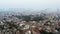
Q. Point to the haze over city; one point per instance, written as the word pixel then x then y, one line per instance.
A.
pixel 29 16
pixel 30 4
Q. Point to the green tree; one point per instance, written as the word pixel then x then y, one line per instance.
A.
pixel 38 19
pixel 26 18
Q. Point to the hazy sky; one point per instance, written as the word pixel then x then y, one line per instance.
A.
pixel 30 4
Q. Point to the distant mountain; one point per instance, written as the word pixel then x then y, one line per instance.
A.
pixel 27 11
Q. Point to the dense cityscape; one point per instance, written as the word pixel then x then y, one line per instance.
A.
pixel 20 23
pixel 29 16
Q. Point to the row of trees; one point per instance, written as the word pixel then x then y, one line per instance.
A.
pixel 28 18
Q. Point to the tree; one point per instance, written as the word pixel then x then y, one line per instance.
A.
pixel 26 18
pixel 38 18
pixel 19 17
